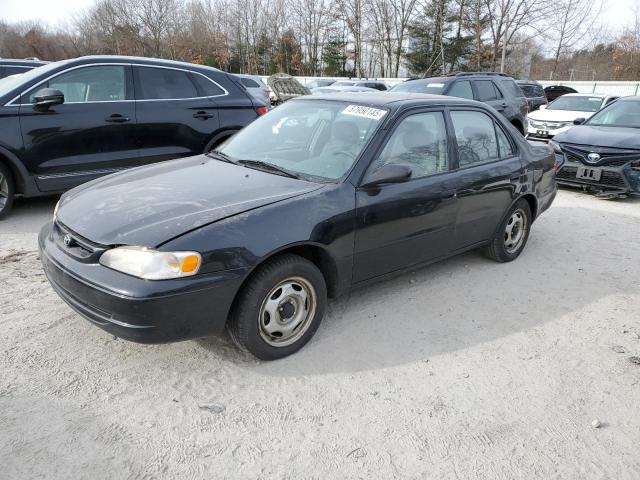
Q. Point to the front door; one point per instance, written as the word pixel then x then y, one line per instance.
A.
pixel 404 224
pixel 92 133
pixel 174 118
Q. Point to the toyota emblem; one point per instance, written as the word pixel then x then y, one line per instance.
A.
pixel 593 157
pixel 67 240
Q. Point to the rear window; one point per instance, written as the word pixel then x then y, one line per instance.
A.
pixel 247 82
pixel 512 88
pixel 165 84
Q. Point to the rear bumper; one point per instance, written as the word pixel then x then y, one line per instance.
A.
pixel 139 310
pixel 622 180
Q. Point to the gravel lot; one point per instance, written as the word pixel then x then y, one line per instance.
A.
pixel 466 369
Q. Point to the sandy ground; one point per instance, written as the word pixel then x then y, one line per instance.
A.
pixel 466 369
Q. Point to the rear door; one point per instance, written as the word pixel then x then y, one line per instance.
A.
pixel 92 133
pixel 175 117
pixel 489 171
pixel 487 92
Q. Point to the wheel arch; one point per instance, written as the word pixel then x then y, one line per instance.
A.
pixel 533 204
pixel 21 176
pixel 315 253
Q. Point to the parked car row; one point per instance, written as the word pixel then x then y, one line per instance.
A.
pixel 68 122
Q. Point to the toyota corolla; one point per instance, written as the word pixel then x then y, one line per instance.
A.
pixel 320 195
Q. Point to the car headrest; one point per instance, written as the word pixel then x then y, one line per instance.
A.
pixel 345 131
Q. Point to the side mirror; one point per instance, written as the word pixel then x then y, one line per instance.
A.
pixel 543 107
pixel 579 121
pixel 48 97
pixel 390 173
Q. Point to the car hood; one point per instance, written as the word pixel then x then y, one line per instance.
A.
pixel 558 115
pixel 613 137
pixel 150 205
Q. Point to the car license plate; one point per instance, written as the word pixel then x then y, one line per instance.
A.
pixel 542 133
pixel 589 173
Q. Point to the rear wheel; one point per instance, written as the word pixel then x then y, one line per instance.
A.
pixel 279 308
pixel 7 190
pixel 512 236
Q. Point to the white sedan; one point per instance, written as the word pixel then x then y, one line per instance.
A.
pixel 560 114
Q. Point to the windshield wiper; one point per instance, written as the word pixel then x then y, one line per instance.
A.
pixel 270 167
pixel 223 157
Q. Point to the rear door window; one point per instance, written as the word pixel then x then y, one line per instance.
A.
pixel 512 87
pixel 461 89
pixel 207 87
pixel 486 90
pixel 163 84
pixel 476 137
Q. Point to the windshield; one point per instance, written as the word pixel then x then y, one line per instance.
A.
pixel 317 140
pixel 618 114
pixel 343 84
pixel 435 88
pixel 9 83
pixel 582 103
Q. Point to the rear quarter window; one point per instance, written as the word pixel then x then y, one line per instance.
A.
pixel 247 82
pixel 206 86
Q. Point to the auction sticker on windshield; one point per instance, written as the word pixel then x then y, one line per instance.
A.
pixel 366 112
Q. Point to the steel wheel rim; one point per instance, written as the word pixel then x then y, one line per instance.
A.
pixel 515 231
pixel 4 191
pixel 287 312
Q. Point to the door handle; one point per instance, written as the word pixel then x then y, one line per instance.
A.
pixel 202 115
pixel 117 118
pixel 450 193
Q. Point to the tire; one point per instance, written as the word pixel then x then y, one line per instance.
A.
pixel 279 308
pixel 7 190
pixel 508 244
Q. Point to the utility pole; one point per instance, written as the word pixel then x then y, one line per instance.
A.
pixel 504 43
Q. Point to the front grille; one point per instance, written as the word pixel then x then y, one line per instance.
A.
pixel 567 173
pixel 609 157
pixel 613 179
pixel 76 246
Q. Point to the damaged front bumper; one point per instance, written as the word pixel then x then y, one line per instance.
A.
pixel 606 180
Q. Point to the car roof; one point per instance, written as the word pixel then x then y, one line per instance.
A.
pixel 528 82
pixel 140 60
pixel 391 99
pixel 600 95
pixel 21 62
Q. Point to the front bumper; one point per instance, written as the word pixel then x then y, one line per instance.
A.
pixel 544 134
pixel 616 180
pixel 139 310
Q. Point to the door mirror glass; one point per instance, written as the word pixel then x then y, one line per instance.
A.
pixel 48 97
pixel 390 173
pixel 579 121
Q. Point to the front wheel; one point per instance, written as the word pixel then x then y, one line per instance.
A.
pixel 512 236
pixel 7 190
pixel 279 308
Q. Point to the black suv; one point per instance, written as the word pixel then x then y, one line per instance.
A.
pixel 13 67
pixel 534 92
pixel 495 89
pixel 69 122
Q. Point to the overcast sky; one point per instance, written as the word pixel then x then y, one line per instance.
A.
pixel 615 12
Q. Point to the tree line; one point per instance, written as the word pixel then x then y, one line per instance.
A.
pixel 542 39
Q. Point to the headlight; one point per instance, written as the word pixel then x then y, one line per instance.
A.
pixel 55 211
pixel 151 264
pixel 555 146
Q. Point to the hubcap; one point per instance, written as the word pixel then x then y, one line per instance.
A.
pixel 287 311
pixel 4 191
pixel 515 232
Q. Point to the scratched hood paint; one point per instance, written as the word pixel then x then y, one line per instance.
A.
pixel 149 205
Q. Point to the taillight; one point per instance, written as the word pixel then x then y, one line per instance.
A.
pixel 261 110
